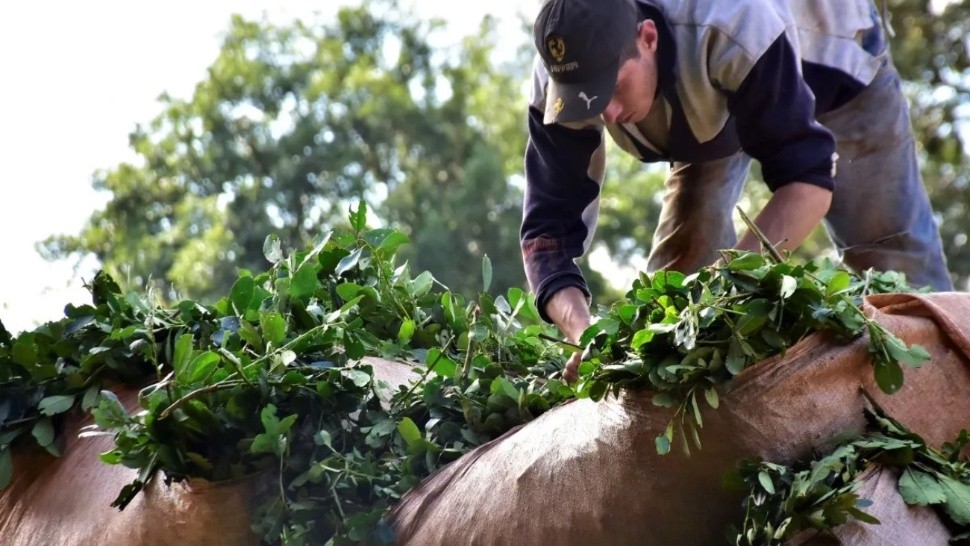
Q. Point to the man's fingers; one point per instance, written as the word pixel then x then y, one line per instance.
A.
pixel 570 374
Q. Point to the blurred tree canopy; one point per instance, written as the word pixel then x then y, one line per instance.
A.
pixel 293 124
pixel 932 53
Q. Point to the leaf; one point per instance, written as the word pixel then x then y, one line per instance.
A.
pixel 663 400
pixel 862 516
pixel 274 327
pixel 348 290
pixel 25 350
pixel 504 386
pixel 913 356
pixel 410 432
pixel 788 286
pixel 183 352
pixel 663 441
pixel 52 405
pixel 389 245
pixel 957 499
pixel 249 334
pixel 43 432
pixel 640 338
pixel 90 398
pixel 360 378
pixel 711 396
pixel 751 322
pixel 322 438
pixel 348 262
pixel 272 249
pixel 305 282
pixel 889 376
pixel 6 467
pixel 839 282
pixel 422 284
pixel 202 365
pixel 735 361
pixel 358 218
pixel 746 262
pixel 486 273
pixel 765 480
pixel 321 242
pixel 440 364
pixel 920 488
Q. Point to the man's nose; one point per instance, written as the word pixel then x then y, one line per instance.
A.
pixel 612 112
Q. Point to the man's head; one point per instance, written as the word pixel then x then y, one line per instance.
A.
pixel 600 60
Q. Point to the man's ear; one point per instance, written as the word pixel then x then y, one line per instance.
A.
pixel 647 35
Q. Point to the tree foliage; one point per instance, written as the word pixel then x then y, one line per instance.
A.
pixel 292 123
pixel 932 54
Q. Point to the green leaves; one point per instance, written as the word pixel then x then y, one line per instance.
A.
pixel 486 273
pixel 957 498
pixel 43 432
pixel 358 218
pixel 411 434
pixel 920 488
pixel 822 495
pixel 273 249
pixel 274 327
pixel 274 440
pixel 682 336
pixel 241 295
pixel 52 405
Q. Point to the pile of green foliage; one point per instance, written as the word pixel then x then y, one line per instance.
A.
pixel 269 382
pixel 682 336
pixel 822 494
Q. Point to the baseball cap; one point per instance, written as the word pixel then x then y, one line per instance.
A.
pixel 580 43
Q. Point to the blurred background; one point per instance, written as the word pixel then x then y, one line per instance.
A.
pixel 164 142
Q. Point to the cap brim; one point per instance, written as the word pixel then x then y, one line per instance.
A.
pixel 566 102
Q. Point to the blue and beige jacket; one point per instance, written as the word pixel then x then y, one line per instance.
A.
pixel 747 75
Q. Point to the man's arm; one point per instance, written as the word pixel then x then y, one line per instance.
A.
pixel 775 113
pixel 569 310
pixel 789 216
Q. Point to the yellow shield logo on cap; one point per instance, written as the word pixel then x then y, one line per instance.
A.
pixel 557 48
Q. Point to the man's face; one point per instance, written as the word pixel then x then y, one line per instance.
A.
pixel 636 83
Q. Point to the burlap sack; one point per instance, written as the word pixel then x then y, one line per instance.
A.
pixel 588 473
pixel 66 501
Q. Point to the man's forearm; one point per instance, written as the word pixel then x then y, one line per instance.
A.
pixel 789 216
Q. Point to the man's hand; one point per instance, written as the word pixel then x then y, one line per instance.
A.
pixel 569 311
pixel 789 216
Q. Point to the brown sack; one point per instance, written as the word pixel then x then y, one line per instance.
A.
pixel 65 501
pixel 588 473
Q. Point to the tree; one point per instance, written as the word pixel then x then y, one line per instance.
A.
pixel 292 125
pixel 932 54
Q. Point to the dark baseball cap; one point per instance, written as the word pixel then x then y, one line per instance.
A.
pixel 581 42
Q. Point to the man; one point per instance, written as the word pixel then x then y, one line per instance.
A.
pixel 707 85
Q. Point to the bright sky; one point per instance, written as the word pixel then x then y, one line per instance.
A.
pixel 76 78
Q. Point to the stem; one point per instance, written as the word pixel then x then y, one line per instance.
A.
pixel 426 371
pixel 195 394
pixel 236 363
pixel 466 367
pixel 767 245
pixel 559 341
